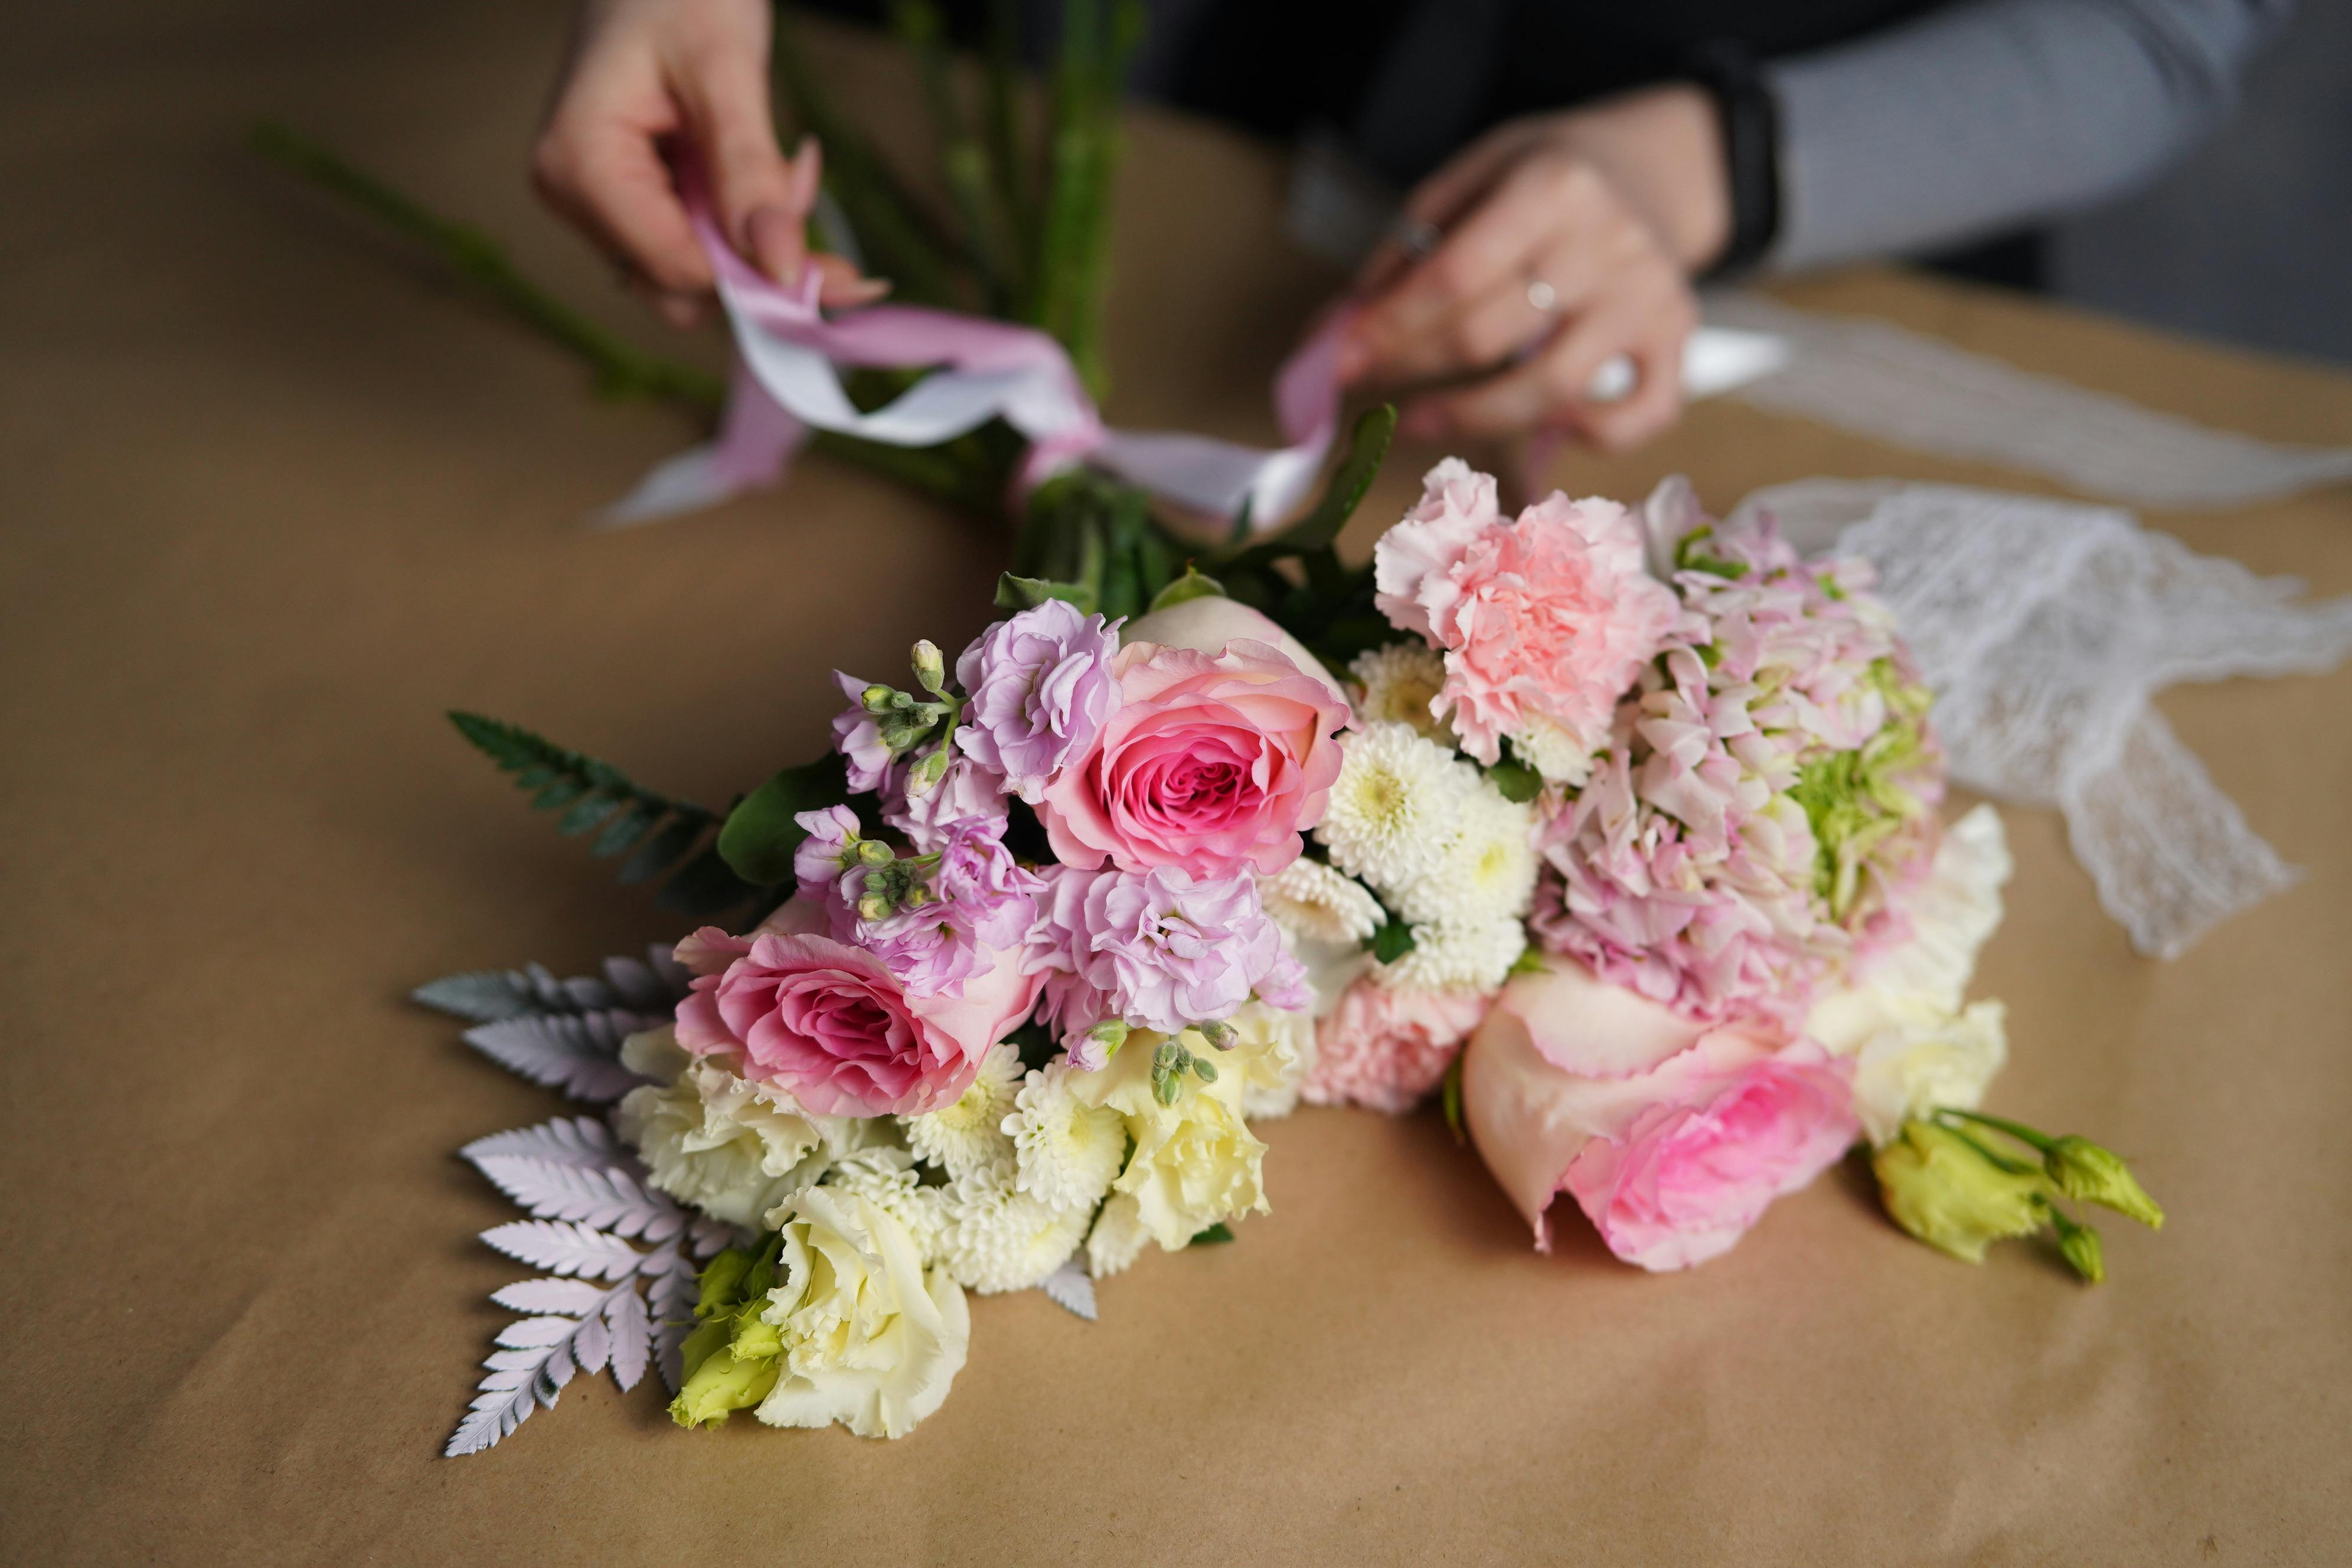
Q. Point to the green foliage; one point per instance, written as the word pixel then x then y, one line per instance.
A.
pixel 1297 576
pixel 666 835
pixel 1215 1234
pixel 1189 587
pixel 761 836
pixel 1092 541
pixel 1392 941
pixel 1519 782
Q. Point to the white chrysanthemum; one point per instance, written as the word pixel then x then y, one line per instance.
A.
pixel 1069 1152
pixel 1273 1051
pixel 1399 685
pixel 1307 898
pixel 1117 1237
pixel 1473 957
pixel 1488 873
pixel 717 1143
pixel 1001 1238
pixel 1394 805
pixel 965 1139
pixel 1559 756
pixel 886 1178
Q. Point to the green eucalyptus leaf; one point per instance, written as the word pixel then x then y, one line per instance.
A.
pixel 759 834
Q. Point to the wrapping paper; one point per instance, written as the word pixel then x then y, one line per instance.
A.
pixel 271 507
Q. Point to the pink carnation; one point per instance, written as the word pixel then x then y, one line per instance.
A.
pixel 1672 1137
pixel 1386 1047
pixel 830 1024
pixel 1211 762
pixel 1547 618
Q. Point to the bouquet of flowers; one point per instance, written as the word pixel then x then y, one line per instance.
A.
pixel 1615 829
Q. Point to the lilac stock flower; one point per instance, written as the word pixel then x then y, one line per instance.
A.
pixel 1037 685
pixel 826 854
pixel 1156 950
pixel 858 739
pixel 957 916
pixel 965 800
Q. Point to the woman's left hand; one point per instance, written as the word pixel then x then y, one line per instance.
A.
pixel 1566 241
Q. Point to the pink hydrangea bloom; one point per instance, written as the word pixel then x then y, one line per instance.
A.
pixel 1386 1047
pixel 830 1024
pixel 1544 620
pixel 1156 949
pixel 1765 797
pixel 1211 764
pixel 1673 1138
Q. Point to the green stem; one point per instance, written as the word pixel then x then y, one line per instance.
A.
pixel 963 160
pixel 620 370
pixel 1007 161
pixel 2040 1141
pixel 1997 1161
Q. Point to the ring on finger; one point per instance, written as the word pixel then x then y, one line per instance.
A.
pixel 1543 297
pixel 1416 238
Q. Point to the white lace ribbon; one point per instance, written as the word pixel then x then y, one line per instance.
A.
pixel 1892 385
pixel 2045 626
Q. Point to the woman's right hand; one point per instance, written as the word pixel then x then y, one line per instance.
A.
pixel 649 83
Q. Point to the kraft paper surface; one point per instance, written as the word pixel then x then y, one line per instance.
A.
pixel 275 496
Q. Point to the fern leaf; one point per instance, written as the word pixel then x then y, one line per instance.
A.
pixel 1072 1287
pixel 592 1340
pixel 664 830
pixel 569 1297
pixel 562 1246
pixel 576 1053
pixel 607 1197
pixel 568 1140
pixel 632 1339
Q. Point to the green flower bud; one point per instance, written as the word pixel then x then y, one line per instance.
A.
pixel 876 699
pixel 929 772
pixel 2091 1174
pixel 1223 1036
pixel 1942 1189
pixel 1205 1069
pixel 929 667
pixel 874 852
pixel 1165 1087
pixel 1109 1035
pixel 873 906
pixel 719 1384
pixel 2079 1244
pixel 722 1283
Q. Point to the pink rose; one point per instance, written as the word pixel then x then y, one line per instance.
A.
pixel 1213 761
pixel 1545 620
pixel 829 1024
pixel 1386 1047
pixel 1671 1136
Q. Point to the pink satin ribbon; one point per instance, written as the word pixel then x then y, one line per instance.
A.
pixel 786 383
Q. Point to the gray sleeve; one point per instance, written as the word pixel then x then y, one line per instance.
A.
pixel 1984 116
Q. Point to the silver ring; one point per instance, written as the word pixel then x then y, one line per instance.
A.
pixel 1542 296
pixel 1417 239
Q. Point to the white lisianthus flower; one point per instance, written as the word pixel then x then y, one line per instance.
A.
pixel 1311 900
pixel 886 1178
pixel 1560 757
pixel 1458 957
pixel 999 1238
pixel 1067 1151
pixel 1925 1056
pixel 1196 1161
pixel 1914 1044
pixel 1399 684
pixel 1118 1238
pixel 717 1143
pixel 1273 1051
pixel 1487 872
pixel 963 1139
pixel 871 1338
pixel 1394 806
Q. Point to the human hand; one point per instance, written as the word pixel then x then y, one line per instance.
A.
pixel 651 81
pixel 1566 242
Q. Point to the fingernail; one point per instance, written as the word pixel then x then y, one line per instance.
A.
pixel 866 290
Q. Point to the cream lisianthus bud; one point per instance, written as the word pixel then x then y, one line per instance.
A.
pixel 1944 1190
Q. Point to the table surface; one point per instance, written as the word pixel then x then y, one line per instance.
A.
pixel 275 498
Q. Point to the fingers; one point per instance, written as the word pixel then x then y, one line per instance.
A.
pixel 1546 202
pixel 720 79
pixel 1646 317
pixel 1440 201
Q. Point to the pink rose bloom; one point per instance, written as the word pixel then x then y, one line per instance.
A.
pixel 1672 1137
pixel 1386 1047
pixel 1213 761
pixel 829 1024
pixel 1545 621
